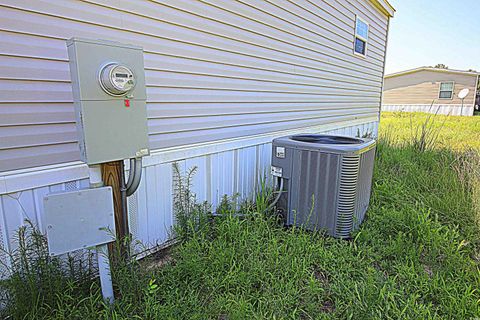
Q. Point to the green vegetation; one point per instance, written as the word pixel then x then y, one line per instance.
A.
pixel 457 133
pixel 415 257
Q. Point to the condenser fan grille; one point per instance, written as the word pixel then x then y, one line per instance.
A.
pixel 347 195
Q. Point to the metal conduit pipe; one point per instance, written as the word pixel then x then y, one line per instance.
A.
pixel 131 174
pixel 137 176
pixel 123 195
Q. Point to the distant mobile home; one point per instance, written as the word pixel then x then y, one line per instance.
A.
pixel 223 79
pixel 431 90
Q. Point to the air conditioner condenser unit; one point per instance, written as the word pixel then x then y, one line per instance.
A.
pixel 326 179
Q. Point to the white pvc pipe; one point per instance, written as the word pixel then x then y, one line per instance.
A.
pixel 95 177
pixel 105 274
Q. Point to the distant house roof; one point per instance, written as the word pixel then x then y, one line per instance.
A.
pixel 400 73
pixel 384 7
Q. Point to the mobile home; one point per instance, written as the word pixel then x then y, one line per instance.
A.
pixel 223 79
pixel 431 90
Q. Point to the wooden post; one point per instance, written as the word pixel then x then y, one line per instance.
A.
pixel 113 175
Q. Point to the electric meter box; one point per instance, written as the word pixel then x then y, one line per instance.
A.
pixel 108 82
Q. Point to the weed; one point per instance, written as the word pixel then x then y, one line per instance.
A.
pixel 263 195
pixel 425 135
pixel 36 281
pixel 467 167
pixel 190 216
pixel 415 257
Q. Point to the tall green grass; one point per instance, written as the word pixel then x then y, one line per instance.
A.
pixel 38 283
pixel 415 257
pixel 453 132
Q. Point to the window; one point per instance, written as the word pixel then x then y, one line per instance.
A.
pixel 361 37
pixel 446 90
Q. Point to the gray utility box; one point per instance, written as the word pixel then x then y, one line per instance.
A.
pixel 108 82
pixel 327 181
pixel 79 219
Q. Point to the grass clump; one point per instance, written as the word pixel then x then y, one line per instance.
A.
pixel 415 257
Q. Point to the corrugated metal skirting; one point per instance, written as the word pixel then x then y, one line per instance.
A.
pixel 150 209
pixel 446 109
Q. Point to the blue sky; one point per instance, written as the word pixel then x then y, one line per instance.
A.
pixel 427 32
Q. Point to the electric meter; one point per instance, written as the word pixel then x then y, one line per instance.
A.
pixel 110 99
pixel 116 79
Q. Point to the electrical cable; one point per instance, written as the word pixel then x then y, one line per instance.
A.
pixel 278 196
pixel 131 174
pixel 136 177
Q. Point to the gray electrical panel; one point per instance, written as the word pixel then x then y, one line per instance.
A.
pixel 79 219
pixel 108 82
pixel 327 180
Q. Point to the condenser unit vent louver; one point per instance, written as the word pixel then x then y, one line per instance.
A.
pixel 327 181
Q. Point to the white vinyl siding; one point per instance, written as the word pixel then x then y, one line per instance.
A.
pixel 214 69
pixel 423 88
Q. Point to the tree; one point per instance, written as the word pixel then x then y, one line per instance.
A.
pixel 441 66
